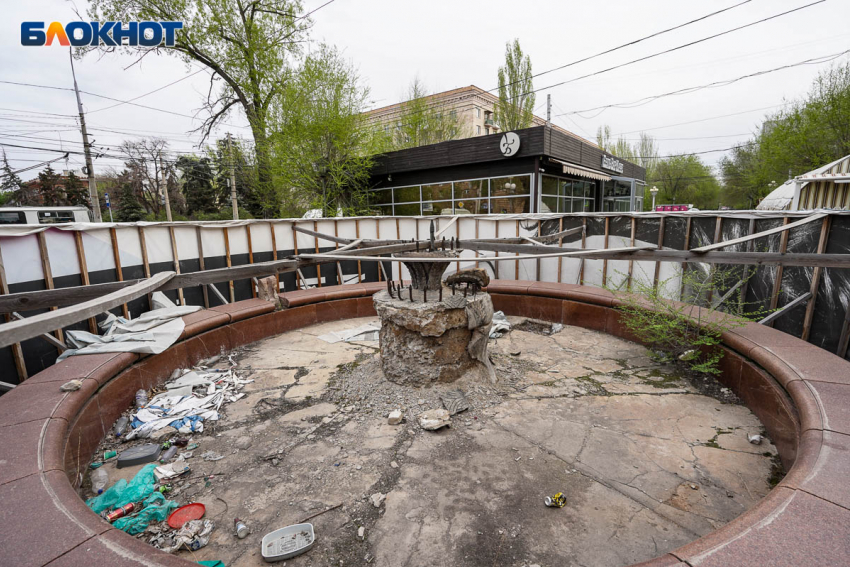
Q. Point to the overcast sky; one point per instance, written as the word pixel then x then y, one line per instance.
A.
pixel 452 44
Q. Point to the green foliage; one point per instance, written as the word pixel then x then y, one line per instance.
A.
pixel 644 152
pixel 49 187
pixel 250 47
pixel 239 154
pixel 688 332
pixel 198 184
pixel 685 179
pixel 129 209
pixel 420 122
pixel 515 108
pixel 10 184
pixel 75 193
pixel 803 136
pixel 226 213
pixel 321 143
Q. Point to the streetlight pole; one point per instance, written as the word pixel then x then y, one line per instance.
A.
pixel 93 196
pixel 654 192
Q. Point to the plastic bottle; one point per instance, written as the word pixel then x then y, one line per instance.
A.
pixel 141 399
pixel 121 426
pixel 99 480
pixel 168 454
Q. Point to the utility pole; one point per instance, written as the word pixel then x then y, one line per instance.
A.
pixel 548 110
pixel 165 189
pixel 232 179
pixel 93 197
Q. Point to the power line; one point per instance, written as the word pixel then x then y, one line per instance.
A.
pixel 148 93
pixel 715 84
pixel 634 42
pixel 703 119
pixel 677 48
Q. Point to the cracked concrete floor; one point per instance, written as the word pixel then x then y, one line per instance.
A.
pixel 646 462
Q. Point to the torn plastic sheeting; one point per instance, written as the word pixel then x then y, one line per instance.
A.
pixel 352 334
pixel 150 333
pixel 195 534
pixel 155 509
pixel 123 492
pixel 500 325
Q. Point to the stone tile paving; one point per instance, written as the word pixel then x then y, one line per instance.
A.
pixel 646 462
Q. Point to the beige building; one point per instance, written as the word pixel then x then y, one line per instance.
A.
pixel 473 106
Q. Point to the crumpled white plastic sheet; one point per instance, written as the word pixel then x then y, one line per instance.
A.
pixel 194 534
pixel 500 325
pixel 179 403
pixel 150 333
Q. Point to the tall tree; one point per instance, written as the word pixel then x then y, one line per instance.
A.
pixel 149 169
pixel 323 144
pixel 421 121
pixel 685 179
pixel 805 135
pixel 49 187
pixel 129 208
pixel 515 108
pixel 198 184
pixel 249 46
pixel 11 185
pixel 75 194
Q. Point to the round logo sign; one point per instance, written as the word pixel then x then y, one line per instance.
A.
pixel 509 144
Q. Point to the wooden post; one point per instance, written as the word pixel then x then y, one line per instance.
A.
pixel 745 277
pixel 357 237
pixel 631 262
pixel 660 246
pixel 378 236
pixel 583 245
pixel 274 252
pixel 145 263
pixel 516 263
pixel 685 264
pixel 476 237
pixel 84 272
pixel 336 246
pixel 496 264
pixel 298 275
pixel 318 267
pixel 777 280
pixel 251 257
pixel 560 245
pixel 17 351
pixel 116 256
pixel 816 276
pixel 230 287
pixel 48 276
pixel 717 235
pixel 202 266
pixel 605 247
pixel 176 263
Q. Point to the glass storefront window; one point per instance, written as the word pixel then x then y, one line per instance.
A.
pixel 381 196
pixel 550 185
pixel 437 208
pixel 439 192
pixel 407 194
pixel 506 186
pixel 476 189
pixel 408 210
pixel 385 210
pixel 472 207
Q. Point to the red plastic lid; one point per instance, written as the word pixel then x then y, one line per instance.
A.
pixel 185 514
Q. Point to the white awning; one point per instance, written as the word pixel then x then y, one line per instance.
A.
pixel 582 171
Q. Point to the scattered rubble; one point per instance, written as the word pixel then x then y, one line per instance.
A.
pixel 432 420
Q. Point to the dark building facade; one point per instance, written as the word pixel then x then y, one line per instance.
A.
pixel 533 170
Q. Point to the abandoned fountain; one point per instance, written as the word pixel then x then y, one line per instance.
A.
pixel 431 330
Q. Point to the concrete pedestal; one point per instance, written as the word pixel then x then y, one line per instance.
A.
pixel 437 341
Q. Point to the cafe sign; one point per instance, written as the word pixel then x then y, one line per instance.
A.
pixel 612 164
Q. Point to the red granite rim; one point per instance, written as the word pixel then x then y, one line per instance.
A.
pixel 800 392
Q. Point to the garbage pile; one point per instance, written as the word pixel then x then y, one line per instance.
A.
pixel 176 411
pixel 190 398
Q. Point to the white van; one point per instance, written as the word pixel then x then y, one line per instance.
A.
pixel 43 215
